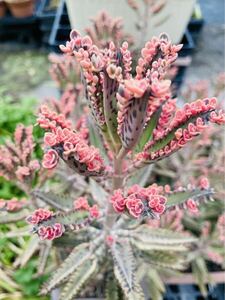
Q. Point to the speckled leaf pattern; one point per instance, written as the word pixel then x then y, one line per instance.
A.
pixel 76 258
pixel 134 121
pixel 74 164
pixel 96 105
pixel 110 87
pixel 125 270
pixel 72 220
pixel 78 279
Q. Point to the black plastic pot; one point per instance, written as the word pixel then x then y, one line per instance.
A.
pixel 191 292
pixel 20 30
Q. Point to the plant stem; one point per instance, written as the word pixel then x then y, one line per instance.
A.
pixel 111 215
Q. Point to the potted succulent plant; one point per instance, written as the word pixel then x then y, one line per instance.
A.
pixel 21 8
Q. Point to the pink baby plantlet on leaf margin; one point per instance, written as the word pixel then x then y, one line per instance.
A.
pixel 138 123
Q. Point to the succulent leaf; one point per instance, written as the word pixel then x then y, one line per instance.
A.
pixel 146 136
pixel 134 121
pixel 112 289
pixel 77 257
pixel 60 203
pixel 124 270
pixel 154 236
pixel 78 279
pixel 179 198
pixel 110 87
pixel 155 285
pixel 165 259
pixel 6 217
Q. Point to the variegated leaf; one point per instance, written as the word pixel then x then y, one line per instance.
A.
pixel 31 247
pixel 160 144
pixel 6 217
pixel 56 201
pixel 112 289
pixel 95 138
pixel 110 87
pixel 165 259
pixel 179 198
pixel 145 246
pixel 76 258
pixel 201 274
pixel 78 279
pixel 155 285
pixel 146 234
pixel 124 270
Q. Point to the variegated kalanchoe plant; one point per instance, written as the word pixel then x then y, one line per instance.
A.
pixel 135 123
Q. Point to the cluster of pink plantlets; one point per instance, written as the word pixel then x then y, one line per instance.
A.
pixel 13 204
pixel 140 201
pixel 45 232
pixel 65 72
pixel 68 145
pixel 81 203
pixel 47 227
pixel 16 161
pixel 202 110
pixel 106 29
pixel 67 102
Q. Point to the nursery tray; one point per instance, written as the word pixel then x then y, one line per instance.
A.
pixel 61 28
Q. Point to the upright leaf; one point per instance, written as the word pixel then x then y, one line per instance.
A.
pixel 78 279
pixel 148 131
pixel 110 87
pixel 125 269
pixel 77 257
pixel 112 289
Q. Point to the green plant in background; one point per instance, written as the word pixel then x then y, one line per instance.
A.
pixel 21 71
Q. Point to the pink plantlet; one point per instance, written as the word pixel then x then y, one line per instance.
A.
pixel 81 203
pixel 12 205
pixel 50 232
pixel 16 161
pixel 110 240
pixel 50 159
pixel 39 216
pixel 192 206
pixel 203 183
pixel 94 212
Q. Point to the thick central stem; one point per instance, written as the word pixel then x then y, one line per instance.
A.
pixel 111 215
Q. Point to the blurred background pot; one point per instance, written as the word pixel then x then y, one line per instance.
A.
pixel 21 8
pixel 2 9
